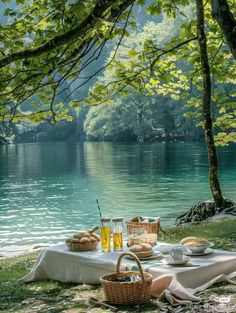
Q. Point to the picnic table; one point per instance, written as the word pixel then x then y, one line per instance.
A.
pixel 173 282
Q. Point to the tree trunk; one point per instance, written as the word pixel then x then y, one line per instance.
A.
pixel 206 110
pixel 222 14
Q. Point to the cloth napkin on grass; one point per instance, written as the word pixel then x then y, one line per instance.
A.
pixel 166 287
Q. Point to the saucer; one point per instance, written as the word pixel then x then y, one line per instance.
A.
pixel 170 261
pixel 207 251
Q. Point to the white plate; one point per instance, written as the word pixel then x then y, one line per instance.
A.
pixel 207 251
pixel 170 261
pixel 155 255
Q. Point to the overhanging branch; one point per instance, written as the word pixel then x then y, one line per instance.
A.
pixel 73 34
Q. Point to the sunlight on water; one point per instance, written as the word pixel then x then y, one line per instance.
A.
pixel 48 191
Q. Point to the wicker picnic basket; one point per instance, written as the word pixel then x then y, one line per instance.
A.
pixel 150 227
pixel 133 292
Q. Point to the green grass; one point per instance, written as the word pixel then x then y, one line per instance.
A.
pixel 221 232
pixel 52 297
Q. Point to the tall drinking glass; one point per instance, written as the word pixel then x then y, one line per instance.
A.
pixel 117 233
pixel 105 230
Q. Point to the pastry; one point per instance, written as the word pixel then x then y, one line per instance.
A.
pixel 141 250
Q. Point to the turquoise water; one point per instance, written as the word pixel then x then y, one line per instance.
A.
pixel 48 191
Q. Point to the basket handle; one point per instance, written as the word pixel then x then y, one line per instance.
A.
pixel 135 258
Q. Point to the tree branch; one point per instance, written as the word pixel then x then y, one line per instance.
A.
pixel 224 17
pixel 73 34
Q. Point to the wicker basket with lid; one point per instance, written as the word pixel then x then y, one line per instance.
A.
pixel 153 227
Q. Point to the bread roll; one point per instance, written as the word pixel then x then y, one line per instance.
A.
pixel 92 239
pixel 81 235
pixel 95 236
pixel 145 247
pixel 84 240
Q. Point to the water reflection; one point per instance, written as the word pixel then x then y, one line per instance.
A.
pixel 48 191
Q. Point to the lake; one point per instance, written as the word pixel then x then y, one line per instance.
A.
pixel 48 191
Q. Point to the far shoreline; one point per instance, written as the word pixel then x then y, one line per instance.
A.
pixel 18 250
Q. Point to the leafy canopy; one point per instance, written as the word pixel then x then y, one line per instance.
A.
pixel 152 63
pixel 46 44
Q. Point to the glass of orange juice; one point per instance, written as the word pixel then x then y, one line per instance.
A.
pixel 117 233
pixel 105 230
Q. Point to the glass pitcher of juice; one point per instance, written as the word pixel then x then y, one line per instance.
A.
pixel 105 230
pixel 117 233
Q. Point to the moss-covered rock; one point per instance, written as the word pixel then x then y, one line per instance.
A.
pixel 204 210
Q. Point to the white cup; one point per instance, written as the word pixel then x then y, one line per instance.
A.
pixel 176 254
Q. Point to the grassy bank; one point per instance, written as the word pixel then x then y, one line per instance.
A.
pixel 52 297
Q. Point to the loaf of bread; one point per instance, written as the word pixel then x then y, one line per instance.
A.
pixel 141 250
pixel 194 241
pixel 135 248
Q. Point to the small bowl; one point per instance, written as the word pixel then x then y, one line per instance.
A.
pixel 198 249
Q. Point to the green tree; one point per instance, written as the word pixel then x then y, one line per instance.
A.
pixel 135 117
pixel 153 67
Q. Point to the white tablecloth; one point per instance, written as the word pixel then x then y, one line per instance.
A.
pixel 57 263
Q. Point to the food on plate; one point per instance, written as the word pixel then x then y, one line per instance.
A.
pixel 151 239
pixel 144 238
pixel 133 241
pixel 195 244
pixel 141 250
pixel 135 248
pixel 194 241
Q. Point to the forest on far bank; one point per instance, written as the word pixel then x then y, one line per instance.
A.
pixel 141 119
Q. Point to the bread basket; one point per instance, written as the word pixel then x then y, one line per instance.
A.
pixel 81 246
